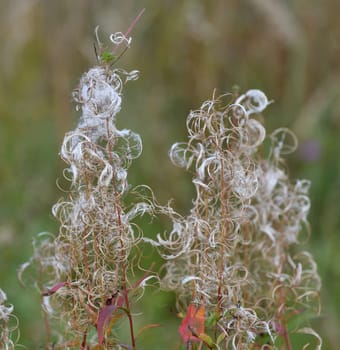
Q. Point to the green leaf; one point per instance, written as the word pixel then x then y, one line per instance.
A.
pixel 207 340
pixel 107 57
pixel 211 320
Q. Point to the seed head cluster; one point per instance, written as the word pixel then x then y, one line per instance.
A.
pixel 87 264
pixel 237 252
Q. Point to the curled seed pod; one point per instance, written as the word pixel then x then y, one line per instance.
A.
pixel 89 260
pixel 234 247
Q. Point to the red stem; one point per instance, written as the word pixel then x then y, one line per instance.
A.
pixel 132 25
pixel 134 22
pixel 119 221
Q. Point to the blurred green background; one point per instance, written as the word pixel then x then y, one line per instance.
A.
pixel 184 49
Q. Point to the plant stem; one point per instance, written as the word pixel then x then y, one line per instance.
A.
pixel 123 263
pixel 44 315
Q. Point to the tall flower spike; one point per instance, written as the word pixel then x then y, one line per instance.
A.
pixel 86 269
pixel 234 252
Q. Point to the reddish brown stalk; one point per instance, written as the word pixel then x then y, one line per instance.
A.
pixel 281 316
pixel 132 25
pixel 286 337
pixel 83 343
pixel 224 236
pixel 85 257
pixel 134 22
pixel 284 325
pixel 247 259
pixel 123 263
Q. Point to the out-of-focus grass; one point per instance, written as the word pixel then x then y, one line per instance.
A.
pixel 184 49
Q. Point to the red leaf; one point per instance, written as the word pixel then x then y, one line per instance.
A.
pixel 279 328
pixel 104 316
pixel 193 324
pixel 54 289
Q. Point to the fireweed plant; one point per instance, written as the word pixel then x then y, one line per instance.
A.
pixel 84 271
pixel 234 262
